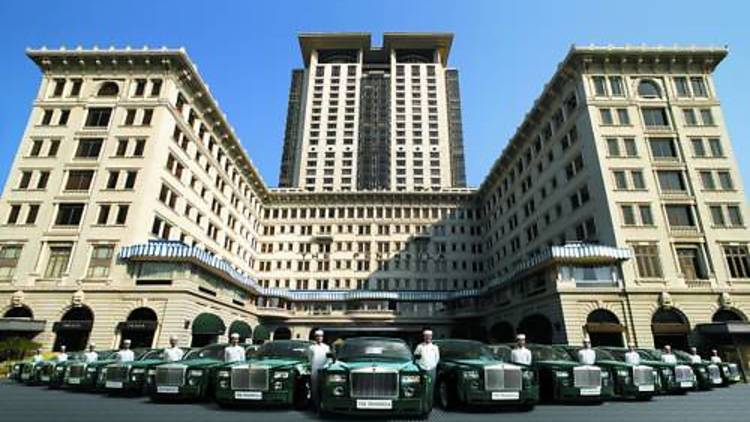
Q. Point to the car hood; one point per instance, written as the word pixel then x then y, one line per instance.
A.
pixel 340 365
pixel 194 363
pixel 478 363
pixel 101 363
pixel 567 364
pixel 614 363
pixel 142 363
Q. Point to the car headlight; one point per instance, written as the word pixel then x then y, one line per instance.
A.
pixel 280 375
pixel 471 375
pixel 196 373
pixel 528 376
pixel 59 369
pixel 336 378
pixel 561 374
pixel 151 372
pixel 224 383
pixel 409 392
pixel 138 371
pixel 622 373
pixel 338 391
pixel 91 370
pixel 411 379
pixel 278 385
pixel 223 374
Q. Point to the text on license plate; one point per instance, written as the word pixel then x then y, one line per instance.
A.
pixel 167 389
pixel 505 395
pixel 44 378
pixel 686 384
pixel 248 395
pixel 375 404
pixel 591 391
pixel 113 384
pixel 645 388
pixel 74 380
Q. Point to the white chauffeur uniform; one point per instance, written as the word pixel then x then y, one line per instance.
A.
pixel 172 354
pixel 715 359
pixel 520 355
pixel 633 358
pixel 317 354
pixel 695 359
pixel 125 355
pixel 669 358
pixel 62 357
pixel 37 358
pixel 234 354
pixel 90 357
pixel 587 356
pixel 429 357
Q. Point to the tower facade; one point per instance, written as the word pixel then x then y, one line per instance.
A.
pixel 374 118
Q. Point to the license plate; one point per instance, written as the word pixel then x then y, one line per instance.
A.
pixel 505 395
pixel 716 380
pixel 645 388
pixel 74 380
pixel 24 376
pixel 113 384
pixel 44 378
pixel 167 389
pixel 591 391
pixel 375 404
pixel 686 384
pixel 248 395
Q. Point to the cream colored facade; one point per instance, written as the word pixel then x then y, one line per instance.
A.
pixel 204 234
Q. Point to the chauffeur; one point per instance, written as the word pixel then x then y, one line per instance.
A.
pixel 62 356
pixel 234 352
pixel 429 354
pixel 520 354
pixel 667 356
pixel 91 355
pixel 125 354
pixel 694 356
pixel 317 354
pixel 172 353
pixel 587 355
pixel 715 356
pixel 631 356
pixel 38 357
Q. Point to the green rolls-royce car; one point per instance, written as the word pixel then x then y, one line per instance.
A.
pixel 469 373
pixel 89 376
pixel 730 373
pixel 375 376
pixel 276 374
pixel 189 379
pixel 31 371
pixel 628 381
pixel 683 377
pixel 707 374
pixel 55 372
pixel 669 382
pixel 563 379
pixel 130 377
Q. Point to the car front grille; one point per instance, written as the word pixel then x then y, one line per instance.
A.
pixel 247 378
pixel 116 373
pixel 734 370
pixel 714 373
pixel 587 377
pixel 170 376
pixel 498 378
pixel 683 373
pixel 643 375
pixel 76 371
pixel 377 384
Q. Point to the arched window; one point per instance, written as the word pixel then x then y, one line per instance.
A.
pixel 537 328
pixel 19 312
pixel 648 88
pixel 108 89
pixel 724 315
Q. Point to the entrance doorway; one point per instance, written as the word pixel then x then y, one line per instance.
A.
pixel 670 327
pixel 207 328
pixel 604 328
pixel 139 327
pixel 73 329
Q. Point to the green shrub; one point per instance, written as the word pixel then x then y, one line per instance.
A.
pixel 17 348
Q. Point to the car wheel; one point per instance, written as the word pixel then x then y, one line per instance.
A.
pixel 446 397
pixel 302 395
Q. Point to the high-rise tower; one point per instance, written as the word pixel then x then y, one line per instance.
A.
pixel 374 118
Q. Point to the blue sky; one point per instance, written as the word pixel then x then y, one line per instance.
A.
pixel 505 51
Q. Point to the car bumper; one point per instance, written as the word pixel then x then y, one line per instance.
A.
pixel 125 387
pixel 282 398
pixel 349 406
pixel 583 395
pixel 530 395
pixel 636 391
pixel 182 393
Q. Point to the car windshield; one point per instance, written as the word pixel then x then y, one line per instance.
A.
pixel 107 354
pixel 501 352
pixel 215 351
pixel 76 356
pixel 617 354
pixel 464 350
pixel 682 356
pixel 283 349
pixel 548 353
pixel 650 354
pixel 603 355
pixel 152 354
pixel 374 349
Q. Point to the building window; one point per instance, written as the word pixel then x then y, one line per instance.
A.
pixel 648 88
pixel 681 86
pixel 79 180
pixel 600 86
pixel 15 212
pixel 69 214
pixel 9 255
pixel 655 117
pixel 663 148
pixel 101 261
pixel 89 147
pixel 647 261
pixel 699 87
pixel 671 181
pixel 691 262
pixel 738 261
pixel 108 89
pixel 98 117
pixel 680 216
pixel 57 264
